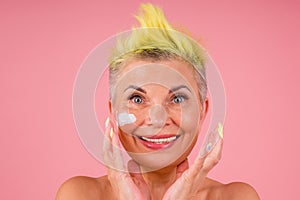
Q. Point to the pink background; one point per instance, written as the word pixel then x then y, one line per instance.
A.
pixel 255 44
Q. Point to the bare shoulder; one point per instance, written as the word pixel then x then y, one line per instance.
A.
pixel 214 190
pixel 236 191
pixel 82 187
pixel 239 190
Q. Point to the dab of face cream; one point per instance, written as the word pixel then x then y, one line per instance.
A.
pixel 126 118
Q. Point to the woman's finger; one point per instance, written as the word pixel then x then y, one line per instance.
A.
pixel 214 156
pixel 202 166
pixel 118 157
pixel 106 145
pixel 111 152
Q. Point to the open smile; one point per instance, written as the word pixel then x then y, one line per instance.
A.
pixel 158 141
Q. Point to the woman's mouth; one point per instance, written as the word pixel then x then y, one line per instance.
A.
pixel 158 141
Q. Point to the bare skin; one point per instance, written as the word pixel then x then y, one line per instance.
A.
pixel 179 182
pixel 176 181
pixel 87 188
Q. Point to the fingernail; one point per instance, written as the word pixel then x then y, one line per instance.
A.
pixel 208 147
pixel 111 133
pixel 220 130
pixel 106 122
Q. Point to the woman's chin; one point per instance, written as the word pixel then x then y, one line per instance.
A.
pixel 155 161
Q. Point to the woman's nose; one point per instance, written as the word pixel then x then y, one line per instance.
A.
pixel 158 116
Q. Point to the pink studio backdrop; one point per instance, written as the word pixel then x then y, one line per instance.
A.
pixel 43 43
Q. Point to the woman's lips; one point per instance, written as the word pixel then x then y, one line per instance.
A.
pixel 158 141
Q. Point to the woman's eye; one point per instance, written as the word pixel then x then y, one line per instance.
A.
pixel 137 99
pixel 178 99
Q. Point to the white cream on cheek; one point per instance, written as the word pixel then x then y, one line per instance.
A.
pixel 126 118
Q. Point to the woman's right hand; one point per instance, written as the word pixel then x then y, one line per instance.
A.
pixel 125 185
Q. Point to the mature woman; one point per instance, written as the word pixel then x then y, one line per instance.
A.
pixel 157 107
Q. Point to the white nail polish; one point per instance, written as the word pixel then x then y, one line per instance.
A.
pixel 111 133
pixel 106 122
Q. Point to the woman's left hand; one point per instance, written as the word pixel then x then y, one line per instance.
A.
pixel 189 180
pixel 125 185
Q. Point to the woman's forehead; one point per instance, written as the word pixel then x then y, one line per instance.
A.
pixel 173 64
pixel 167 73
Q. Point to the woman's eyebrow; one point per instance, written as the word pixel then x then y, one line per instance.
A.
pixel 178 88
pixel 136 88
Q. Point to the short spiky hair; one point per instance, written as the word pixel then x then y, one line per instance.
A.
pixel 157 39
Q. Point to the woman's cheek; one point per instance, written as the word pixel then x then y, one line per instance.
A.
pixel 190 121
pixel 137 119
pixel 141 116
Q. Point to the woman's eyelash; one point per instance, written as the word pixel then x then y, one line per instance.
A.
pixel 185 97
pixel 180 96
pixel 130 97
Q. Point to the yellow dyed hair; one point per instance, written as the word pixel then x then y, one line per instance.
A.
pixel 157 39
pixel 155 33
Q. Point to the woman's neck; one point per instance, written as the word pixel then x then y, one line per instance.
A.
pixel 159 181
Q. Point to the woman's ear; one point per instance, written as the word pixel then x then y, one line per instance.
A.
pixel 204 110
pixel 110 107
pixel 111 112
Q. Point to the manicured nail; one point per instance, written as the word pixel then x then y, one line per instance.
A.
pixel 111 133
pixel 106 122
pixel 208 147
pixel 220 130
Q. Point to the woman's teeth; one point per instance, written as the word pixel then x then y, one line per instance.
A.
pixel 160 140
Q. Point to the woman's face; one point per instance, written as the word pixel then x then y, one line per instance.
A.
pixel 158 110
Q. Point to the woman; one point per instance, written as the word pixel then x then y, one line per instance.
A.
pixel 157 107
